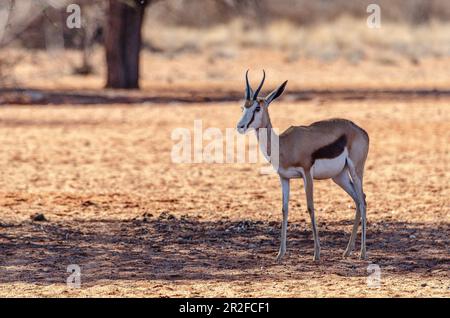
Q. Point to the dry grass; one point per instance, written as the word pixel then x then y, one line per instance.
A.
pixel 348 38
pixel 316 56
pixel 140 225
pixel 214 70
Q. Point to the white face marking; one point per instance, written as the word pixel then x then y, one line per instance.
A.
pixel 329 168
pixel 251 118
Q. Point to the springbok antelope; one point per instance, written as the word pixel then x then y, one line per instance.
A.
pixel 334 148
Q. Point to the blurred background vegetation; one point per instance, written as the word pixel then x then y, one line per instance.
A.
pixel 224 37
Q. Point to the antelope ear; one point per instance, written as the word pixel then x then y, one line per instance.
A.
pixel 276 93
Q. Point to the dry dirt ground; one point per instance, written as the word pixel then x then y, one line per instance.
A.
pixel 139 225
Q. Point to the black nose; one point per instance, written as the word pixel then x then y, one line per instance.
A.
pixel 241 126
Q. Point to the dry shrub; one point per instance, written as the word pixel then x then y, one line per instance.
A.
pixel 347 37
pixel 305 12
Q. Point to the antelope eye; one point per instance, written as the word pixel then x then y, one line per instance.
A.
pixel 258 108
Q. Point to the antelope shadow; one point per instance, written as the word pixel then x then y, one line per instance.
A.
pixel 175 249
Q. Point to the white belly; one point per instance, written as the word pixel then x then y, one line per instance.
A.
pixel 291 173
pixel 329 168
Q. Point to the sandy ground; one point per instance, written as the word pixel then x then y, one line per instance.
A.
pixel 139 225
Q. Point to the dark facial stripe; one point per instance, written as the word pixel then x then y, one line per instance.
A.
pixel 251 120
pixel 331 150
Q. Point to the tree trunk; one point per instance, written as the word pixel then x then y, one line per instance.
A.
pixel 123 42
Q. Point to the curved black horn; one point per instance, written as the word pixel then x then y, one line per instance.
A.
pixel 260 86
pixel 248 89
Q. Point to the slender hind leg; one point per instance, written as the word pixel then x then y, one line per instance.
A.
pixel 343 180
pixel 357 182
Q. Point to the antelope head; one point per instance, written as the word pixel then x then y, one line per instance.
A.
pixel 255 112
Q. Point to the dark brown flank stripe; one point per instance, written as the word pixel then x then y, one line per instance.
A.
pixel 331 150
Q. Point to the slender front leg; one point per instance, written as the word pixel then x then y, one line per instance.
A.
pixel 285 188
pixel 310 203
